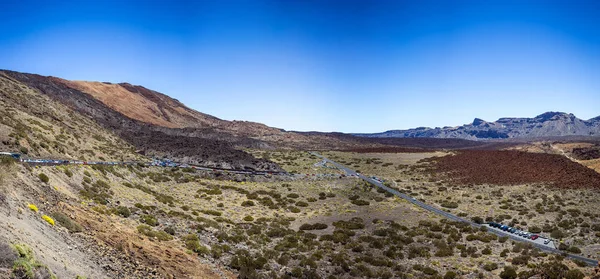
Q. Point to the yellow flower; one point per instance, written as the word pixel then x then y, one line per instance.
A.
pixel 32 207
pixel 48 219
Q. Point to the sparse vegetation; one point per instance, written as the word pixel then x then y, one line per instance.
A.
pixel 44 178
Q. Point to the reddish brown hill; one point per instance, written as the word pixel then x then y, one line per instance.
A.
pixel 514 167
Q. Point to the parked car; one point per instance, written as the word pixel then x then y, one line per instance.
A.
pixel 546 241
pixel 534 237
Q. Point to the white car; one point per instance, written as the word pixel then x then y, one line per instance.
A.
pixel 546 241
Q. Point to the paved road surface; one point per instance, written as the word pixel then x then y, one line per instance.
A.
pixel 550 247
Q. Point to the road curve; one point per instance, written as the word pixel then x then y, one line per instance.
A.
pixel 450 216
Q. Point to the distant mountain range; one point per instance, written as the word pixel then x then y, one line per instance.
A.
pixel 549 124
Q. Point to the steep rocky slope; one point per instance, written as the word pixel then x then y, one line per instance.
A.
pixel 549 124
pixel 37 126
pixel 200 146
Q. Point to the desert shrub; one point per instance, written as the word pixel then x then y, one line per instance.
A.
pixel 429 271
pixel 149 219
pixel 170 230
pixel 293 196
pixel 149 232
pixel 354 197
pixel 99 192
pixel 557 234
pixel 68 173
pixel 521 260
pixel 574 250
pixel 486 251
pixel 123 211
pixel 449 204
pixel 574 274
pixel 316 226
pixel 579 262
pixel 248 218
pixel 24 150
pixel 248 203
pixel 211 212
pixel 352 224
pixel 294 209
pixel 43 177
pixel 87 179
pixel 477 220
pixel 66 222
pixel 450 275
pixel 535 229
pixel 193 243
pixel 509 272
pixel 418 251
pixel 48 219
pixel 490 266
pixel 33 207
pixel 302 204
pixel 27 267
pixel 360 202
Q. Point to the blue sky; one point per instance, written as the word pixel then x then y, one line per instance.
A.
pixel 349 66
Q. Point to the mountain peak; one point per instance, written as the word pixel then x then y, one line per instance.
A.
pixel 478 121
pixel 551 115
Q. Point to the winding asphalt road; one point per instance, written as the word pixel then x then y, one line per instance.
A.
pixel 549 248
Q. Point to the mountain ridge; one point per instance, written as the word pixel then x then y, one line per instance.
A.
pixel 548 124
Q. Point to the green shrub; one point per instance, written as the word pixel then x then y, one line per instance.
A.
pixel 557 234
pixel 574 250
pixel 302 204
pixel 450 275
pixel 149 219
pixel 509 272
pixel 574 274
pixel 123 211
pixel 490 266
pixel 149 232
pixel 170 230
pixel 360 202
pixel 535 229
pixel 193 243
pixel 316 226
pixel 247 203
pixel 66 222
pixel 449 204
pixel 44 178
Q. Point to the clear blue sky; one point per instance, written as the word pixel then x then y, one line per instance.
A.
pixel 349 66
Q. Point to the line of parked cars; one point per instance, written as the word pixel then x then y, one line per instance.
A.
pixel 516 231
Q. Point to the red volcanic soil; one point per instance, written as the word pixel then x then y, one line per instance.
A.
pixel 512 168
pixel 389 150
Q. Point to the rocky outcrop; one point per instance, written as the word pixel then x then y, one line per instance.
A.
pixel 549 124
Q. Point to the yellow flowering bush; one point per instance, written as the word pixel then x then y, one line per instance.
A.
pixel 48 219
pixel 32 207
